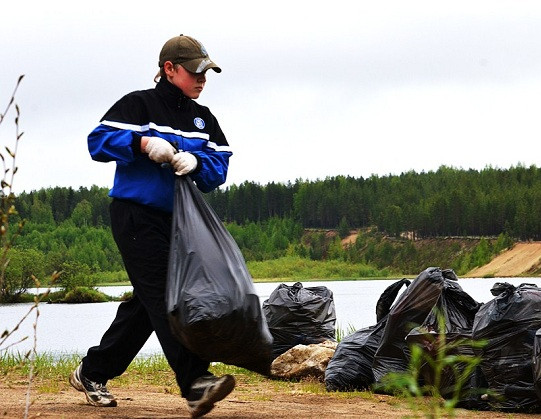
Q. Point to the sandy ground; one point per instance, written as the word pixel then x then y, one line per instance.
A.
pixel 153 403
pixel 514 262
pixel 260 400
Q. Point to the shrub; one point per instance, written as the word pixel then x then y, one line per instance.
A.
pixel 85 295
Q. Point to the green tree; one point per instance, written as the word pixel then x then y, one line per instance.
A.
pixel 82 214
pixel 41 212
pixel 335 249
pixel 75 274
pixel 23 266
pixel 343 227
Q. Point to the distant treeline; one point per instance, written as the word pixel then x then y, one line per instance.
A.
pixel 68 230
pixel 446 202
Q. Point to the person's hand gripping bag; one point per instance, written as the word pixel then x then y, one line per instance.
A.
pixel 211 300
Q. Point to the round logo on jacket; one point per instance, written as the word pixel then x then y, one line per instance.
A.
pixel 199 123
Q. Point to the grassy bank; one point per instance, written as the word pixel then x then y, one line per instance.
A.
pixel 292 268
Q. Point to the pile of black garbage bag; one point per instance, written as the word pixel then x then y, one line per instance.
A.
pixel 508 377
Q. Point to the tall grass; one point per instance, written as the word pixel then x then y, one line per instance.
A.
pixel 146 370
pixel 296 268
pixel 341 333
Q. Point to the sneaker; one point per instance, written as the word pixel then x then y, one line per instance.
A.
pixel 96 393
pixel 207 390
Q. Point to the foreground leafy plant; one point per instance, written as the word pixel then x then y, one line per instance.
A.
pixel 425 384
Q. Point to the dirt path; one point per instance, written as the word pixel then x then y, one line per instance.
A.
pixel 514 262
pixel 153 403
pixel 249 400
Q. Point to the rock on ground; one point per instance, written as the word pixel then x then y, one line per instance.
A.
pixel 303 361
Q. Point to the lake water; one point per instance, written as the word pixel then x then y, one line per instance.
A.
pixel 73 328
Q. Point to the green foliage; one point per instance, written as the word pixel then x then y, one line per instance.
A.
pixel 340 333
pixel 93 246
pixel 82 214
pixel 266 240
pixel 297 268
pixel 250 201
pixel 93 251
pixel 343 228
pixel 409 257
pixel 74 275
pixel 84 295
pixel 41 212
pixel 126 296
pixel 482 253
pixel 317 246
pixel 503 242
pixel 20 273
pixel 65 203
pixel 336 250
pixel 109 278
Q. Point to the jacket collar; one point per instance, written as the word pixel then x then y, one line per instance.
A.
pixel 171 94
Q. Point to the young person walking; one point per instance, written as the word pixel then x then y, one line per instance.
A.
pixel 154 135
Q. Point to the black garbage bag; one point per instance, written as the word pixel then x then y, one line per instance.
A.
pixel 213 307
pixel 537 362
pixel 350 368
pixel 453 315
pixel 410 311
pixel 297 315
pixel 509 323
pixel 388 297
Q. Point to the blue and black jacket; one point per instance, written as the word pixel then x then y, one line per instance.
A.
pixel 160 112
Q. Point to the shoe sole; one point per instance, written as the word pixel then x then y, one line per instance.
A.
pixel 219 392
pixel 110 403
pixel 77 385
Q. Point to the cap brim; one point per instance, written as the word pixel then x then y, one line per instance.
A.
pixel 200 65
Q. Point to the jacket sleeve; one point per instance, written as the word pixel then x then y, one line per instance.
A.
pixel 119 129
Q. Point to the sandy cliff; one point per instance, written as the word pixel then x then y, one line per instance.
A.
pixel 521 259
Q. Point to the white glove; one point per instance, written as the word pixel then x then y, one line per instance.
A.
pixel 184 163
pixel 159 150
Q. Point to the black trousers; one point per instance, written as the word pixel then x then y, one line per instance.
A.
pixel 142 235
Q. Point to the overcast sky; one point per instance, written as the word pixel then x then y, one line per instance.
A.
pixel 309 89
